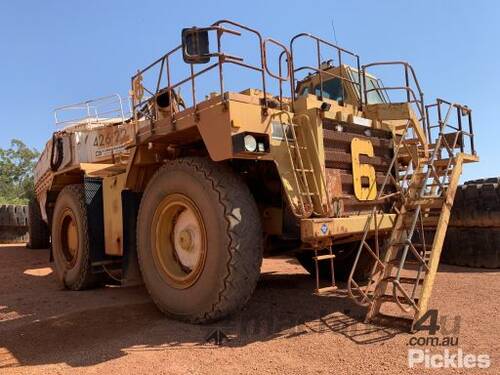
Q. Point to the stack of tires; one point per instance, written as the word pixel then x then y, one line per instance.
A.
pixel 473 236
pixel 13 223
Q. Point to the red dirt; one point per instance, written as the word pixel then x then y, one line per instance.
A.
pixel 284 328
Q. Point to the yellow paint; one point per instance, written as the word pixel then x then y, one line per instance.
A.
pixel 360 170
pixel 112 207
pixel 317 228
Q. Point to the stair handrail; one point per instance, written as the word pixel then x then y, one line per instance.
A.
pixel 410 93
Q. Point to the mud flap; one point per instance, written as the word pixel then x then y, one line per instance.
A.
pixel 95 223
pixel 130 208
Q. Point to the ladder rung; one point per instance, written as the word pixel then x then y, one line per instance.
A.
pixel 309 194
pixel 326 289
pixel 323 257
pixel 304 170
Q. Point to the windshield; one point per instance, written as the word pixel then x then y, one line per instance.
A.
pixel 374 96
pixel 332 89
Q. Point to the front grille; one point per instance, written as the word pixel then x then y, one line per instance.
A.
pixel 337 138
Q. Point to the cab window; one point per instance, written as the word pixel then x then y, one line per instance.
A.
pixel 332 89
pixel 373 96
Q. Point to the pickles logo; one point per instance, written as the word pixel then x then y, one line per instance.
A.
pixel 449 359
pixel 442 333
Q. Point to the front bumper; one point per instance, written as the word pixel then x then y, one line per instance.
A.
pixel 314 230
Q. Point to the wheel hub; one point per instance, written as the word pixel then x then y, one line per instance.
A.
pixel 179 240
pixel 187 239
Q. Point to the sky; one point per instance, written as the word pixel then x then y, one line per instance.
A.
pixel 61 52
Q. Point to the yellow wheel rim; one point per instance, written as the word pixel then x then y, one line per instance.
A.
pixel 69 237
pixel 179 241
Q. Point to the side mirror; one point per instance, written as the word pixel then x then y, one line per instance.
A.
pixel 195 46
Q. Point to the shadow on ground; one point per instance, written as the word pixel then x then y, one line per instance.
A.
pixel 283 306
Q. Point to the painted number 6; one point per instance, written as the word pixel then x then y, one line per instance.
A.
pixel 363 175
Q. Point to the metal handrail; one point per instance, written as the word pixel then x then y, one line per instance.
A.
pixel 340 51
pixel 410 93
pixel 91 110
pixel 220 28
pixel 461 112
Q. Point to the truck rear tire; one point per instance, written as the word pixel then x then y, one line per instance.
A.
pixel 199 240
pixel 39 236
pixel 70 240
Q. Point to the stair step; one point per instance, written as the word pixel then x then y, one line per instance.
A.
pixel 395 262
pixel 402 300
pixel 323 257
pixel 443 162
pixel 403 280
pixel 426 203
pixel 411 141
pixel 421 246
pixel 326 289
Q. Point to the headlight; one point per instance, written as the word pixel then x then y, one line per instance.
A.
pixel 250 143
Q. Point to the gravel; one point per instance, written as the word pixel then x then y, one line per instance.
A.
pixel 284 329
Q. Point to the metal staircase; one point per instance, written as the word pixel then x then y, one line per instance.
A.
pixel 426 175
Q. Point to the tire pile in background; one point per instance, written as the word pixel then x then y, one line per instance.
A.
pixel 473 236
pixel 13 223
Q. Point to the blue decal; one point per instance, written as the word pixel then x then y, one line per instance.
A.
pixel 324 228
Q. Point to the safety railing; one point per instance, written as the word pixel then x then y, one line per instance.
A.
pixel 460 130
pixel 410 88
pixel 143 96
pixel 95 112
pixel 340 52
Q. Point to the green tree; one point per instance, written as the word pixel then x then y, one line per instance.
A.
pixel 16 173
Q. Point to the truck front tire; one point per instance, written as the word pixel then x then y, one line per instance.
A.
pixel 199 240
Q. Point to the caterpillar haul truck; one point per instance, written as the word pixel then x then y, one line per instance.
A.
pixel 196 189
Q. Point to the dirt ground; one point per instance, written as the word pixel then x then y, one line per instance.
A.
pixel 284 329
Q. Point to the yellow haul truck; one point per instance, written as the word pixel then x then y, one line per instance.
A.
pixel 196 188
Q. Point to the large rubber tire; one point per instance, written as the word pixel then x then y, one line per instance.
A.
pixel 234 246
pixel 473 238
pixel 345 255
pixel 39 234
pixel 472 247
pixel 477 204
pixel 74 274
